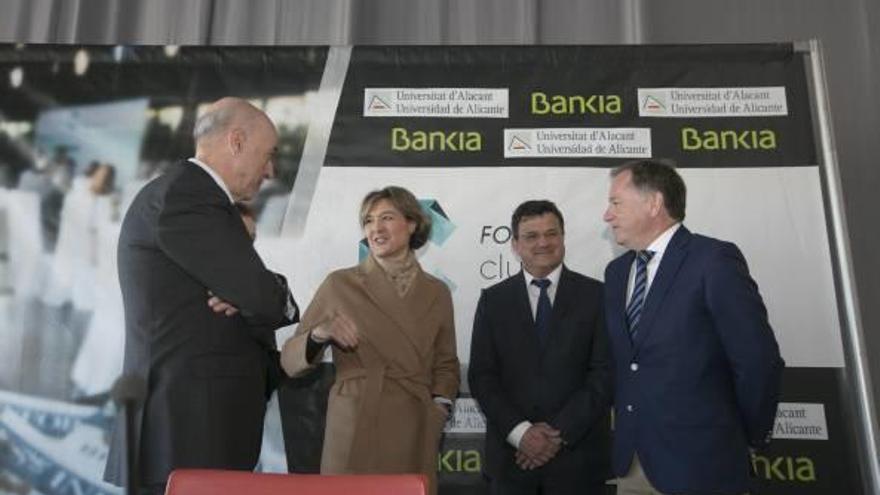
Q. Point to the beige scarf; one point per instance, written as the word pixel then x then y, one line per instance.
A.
pixel 401 273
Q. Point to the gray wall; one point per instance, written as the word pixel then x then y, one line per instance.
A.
pixel 848 30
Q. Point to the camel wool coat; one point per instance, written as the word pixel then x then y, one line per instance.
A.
pixel 381 417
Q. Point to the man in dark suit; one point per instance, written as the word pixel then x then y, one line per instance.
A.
pixel 197 301
pixel 697 367
pixel 265 335
pixel 539 368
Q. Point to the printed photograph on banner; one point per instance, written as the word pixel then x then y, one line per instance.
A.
pixel 76 146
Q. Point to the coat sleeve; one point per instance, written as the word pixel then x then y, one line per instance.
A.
pixel 446 373
pixel 484 373
pixel 592 401
pixel 740 319
pixel 205 238
pixel 294 353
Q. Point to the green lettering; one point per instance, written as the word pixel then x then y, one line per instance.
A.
pixel 539 103
pixel 419 141
pixel 558 105
pixel 613 105
pixel 730 139
pixel 767 139
pixel 399 139
pixel 471 461
pixel 805 469
pixel 774 468
pixel 690 139
pixel 443 461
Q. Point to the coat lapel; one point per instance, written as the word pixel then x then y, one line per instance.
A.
pixel 522 309
pixel 672 259
pixel 405 312
pixel 615 291
pixel 561 304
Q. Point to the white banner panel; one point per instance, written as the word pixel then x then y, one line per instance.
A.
pixel 784 207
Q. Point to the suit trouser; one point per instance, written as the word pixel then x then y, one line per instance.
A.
pixel 156 489
pixel 636 482
pixel 545 487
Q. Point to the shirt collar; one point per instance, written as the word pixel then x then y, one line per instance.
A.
pixel 660 243
pixel 553 276
pixel 214 175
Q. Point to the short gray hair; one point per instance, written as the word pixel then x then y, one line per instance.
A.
pixel 212 121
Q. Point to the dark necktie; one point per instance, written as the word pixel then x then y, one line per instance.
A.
pixel 640 287
pixel 542 313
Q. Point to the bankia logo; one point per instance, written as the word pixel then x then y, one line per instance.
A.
pixel 441 229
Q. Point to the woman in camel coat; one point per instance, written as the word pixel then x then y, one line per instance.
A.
pixel 393 341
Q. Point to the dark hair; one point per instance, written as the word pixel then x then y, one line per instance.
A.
pixel 658 176
pixel 407 205
pixel 534 208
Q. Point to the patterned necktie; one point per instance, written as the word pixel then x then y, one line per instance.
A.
pixel 542 313
pixel 640 287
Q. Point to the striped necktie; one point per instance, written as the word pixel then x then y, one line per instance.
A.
pixel 640 288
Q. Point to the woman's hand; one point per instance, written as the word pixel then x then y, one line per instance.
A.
pixel 340 330
pixel 443 408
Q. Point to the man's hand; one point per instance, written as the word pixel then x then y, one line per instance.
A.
pixel 220 306
pixel 340 330
pixel 540 443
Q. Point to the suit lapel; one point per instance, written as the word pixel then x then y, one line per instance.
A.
pixel 615 292
pixel 672 259
pixel 561 304
pixel 204 179
pixel 522 309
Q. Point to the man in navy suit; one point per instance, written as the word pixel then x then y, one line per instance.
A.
pixel 539 368
pixel 697 367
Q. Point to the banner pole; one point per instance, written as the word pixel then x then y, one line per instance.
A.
pixel 853 333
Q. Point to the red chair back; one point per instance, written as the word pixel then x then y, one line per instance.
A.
pixel 218 482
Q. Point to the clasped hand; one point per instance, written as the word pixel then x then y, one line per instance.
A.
pixel 540 443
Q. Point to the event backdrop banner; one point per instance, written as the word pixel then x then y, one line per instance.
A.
pixel 472 131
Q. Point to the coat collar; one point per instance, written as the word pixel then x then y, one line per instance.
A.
pixel 672 260
pixel 406 311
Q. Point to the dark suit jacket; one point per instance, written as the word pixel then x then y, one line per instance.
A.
pixel 701 382
pixel 566 383
pixel 206 373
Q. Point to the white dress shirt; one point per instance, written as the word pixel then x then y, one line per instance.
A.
pixel 516 434
pixel 659 247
